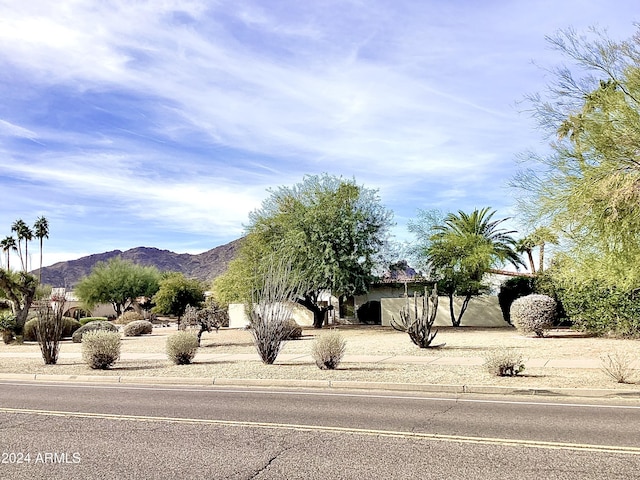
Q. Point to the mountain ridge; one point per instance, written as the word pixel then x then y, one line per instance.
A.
pixel 204 266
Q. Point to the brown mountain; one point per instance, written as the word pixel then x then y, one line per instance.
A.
pixel 205 266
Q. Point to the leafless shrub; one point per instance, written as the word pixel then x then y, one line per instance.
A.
pixel 271 308
pixel 419 326
pixel 328 350
pixel 212 316
pixel 618 366
pixel 49 328
pixel 504 362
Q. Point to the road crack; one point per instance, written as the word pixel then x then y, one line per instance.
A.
pixel 269 462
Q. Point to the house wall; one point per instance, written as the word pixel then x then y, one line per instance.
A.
pixel 238 317
pixel 483 311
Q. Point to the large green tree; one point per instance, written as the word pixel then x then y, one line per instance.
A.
pixel 118 282
pixel 328 228
pixel 176 292
pixel 460 249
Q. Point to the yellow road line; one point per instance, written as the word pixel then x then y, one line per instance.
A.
pixel 329 429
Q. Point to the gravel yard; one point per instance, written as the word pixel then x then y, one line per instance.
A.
pixel 462 345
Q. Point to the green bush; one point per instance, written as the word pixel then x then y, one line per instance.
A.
pixel 328 350
pixel 292 330
pixel 533 314
pixel 602 309
pixel 92 326
pixel 7 326
pixel 512 289
pixel 100 348
pixel 69 326
pixel 128 317
pixel 504 362
pixel 137 328
pixel 85 320
pixel 182 347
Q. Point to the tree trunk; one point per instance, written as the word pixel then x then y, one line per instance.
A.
pixel 319 313
pixel 541 266
pixel 455 322
pixel 533 266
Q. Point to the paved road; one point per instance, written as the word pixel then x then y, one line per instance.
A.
pixel 178 432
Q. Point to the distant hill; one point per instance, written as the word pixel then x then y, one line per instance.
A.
pixel 204 266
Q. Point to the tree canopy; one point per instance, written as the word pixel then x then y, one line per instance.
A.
pixel 118 282
pixel 327 227
pixel 587 190
pixel 176 292
pixel 460 249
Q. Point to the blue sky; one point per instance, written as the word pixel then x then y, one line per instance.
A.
pixel 164 123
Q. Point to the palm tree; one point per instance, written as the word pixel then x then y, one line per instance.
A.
pixel 465 247
pixel 526 245
pixel 18 227
pixel 41 231
pixel 541 236
pixel 7 245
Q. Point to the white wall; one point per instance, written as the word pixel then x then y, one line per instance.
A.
pixel 483 311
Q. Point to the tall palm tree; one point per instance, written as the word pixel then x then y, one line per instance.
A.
pixel 41 231
pixel 7 245
pixel 466 246
pixel 526 245
pixel 18 227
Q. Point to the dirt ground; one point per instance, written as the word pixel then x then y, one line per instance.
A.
pixel 461 343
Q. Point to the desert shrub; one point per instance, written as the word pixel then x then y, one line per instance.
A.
pixel 419 326
pixel 137 328
pixel 212 316
pixel 48 327
pixel 128 317
pixel 328 350
pixel 533 314
pixel 7 326
pixel 100 348
pixel 85 320
pixel 29 330
pixel 69 326
pixel 182 347
pixel 602 309
pixel 618 366
pixel 92 326
pixel 292 330
pixel 512 289
pixel 504 362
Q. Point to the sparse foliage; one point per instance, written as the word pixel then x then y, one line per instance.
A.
pixel 101 348
pixel 182 347
pixel 271 308
pixel 128 317
pixel 49 329
pixel 504 362
pixel 212 316
pixel 618 366
pixel 19 288
pixel 328 350
pixel 419 325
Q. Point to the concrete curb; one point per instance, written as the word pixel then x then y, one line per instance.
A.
pixel 327 384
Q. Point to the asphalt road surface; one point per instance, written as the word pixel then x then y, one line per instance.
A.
pixel 118 432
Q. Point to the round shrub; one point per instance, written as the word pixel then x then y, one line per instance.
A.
pixel 85 320
pixel 533 314
pixel 292 330
pixel 92 326
pixel 69 326
pixel 328 350
pixel 504 362
pixel 128 317
pixel 100 348
pixel 182 347
pixel 137 328
pixel 29 330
